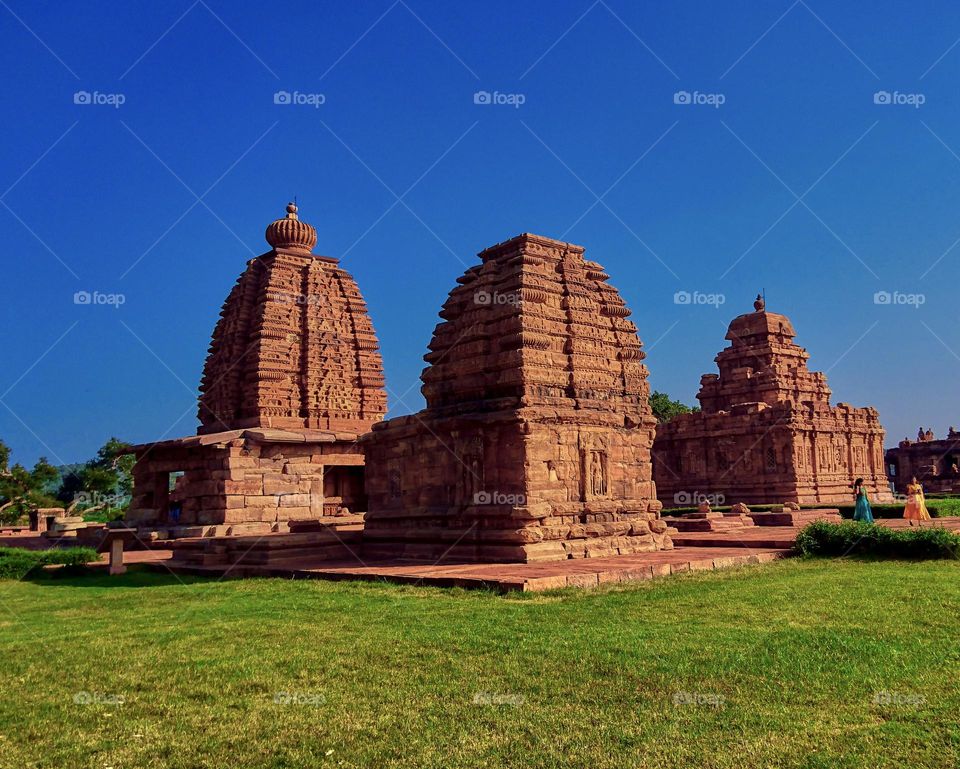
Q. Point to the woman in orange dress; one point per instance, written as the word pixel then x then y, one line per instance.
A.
pixel 916 508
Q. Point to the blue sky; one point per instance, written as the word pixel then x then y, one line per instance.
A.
pixel 798 183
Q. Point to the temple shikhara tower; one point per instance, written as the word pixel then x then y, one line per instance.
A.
pixel 535 441
pixel 292 380
pixel 767 432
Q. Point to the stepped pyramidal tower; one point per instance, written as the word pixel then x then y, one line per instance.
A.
pixel 294 348
pixel 292 380
pixel 766 432
pixel 535 441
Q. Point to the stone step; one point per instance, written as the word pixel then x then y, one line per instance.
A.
pixel 712 523
pixel 795 517
pixel 329 551
pixel 751 540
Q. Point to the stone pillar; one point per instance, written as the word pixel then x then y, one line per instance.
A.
pixel 317 492
pixel 816 462
pixel 116 556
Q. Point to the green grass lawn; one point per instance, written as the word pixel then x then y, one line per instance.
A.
pixel 793 664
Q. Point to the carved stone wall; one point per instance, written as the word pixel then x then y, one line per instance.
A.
pixel 767 432
pixel 535 443
pixel 246 476
pixel 932 461
pixel 293 377
pixel 294 347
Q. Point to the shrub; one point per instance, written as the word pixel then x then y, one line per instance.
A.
pixel 17 562
pixel 854 538
pixel 103 514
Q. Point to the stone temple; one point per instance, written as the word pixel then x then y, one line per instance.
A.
pixel 767 432
pixel 535 441
pixel 292 380
pixel 935 462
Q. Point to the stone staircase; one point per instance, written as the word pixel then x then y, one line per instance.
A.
pixel 327 542
pixel 710 522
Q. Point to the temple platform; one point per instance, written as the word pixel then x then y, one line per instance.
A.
pixel 335 553
pixel 581 572
pixel 341 558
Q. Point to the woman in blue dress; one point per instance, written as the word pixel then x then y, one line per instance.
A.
pixel 862 510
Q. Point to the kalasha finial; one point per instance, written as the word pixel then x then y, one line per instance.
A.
pixel 292 234
pixel 759 303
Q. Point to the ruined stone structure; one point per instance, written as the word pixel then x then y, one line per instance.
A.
pixel 767 432
pixel 535 442
pixel 932 461
pixel 293 378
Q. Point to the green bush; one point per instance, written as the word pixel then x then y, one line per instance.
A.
pixel 17 562
pixel 853 538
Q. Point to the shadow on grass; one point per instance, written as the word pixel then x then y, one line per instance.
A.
pixel 97 577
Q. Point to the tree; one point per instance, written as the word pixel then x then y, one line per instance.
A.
pixel 665 409
pixel 116 458
pixel 22 491
pixel 103 481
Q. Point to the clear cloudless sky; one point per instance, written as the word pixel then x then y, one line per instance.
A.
pixel 694 197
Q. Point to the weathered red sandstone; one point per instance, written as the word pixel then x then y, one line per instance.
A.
pixel 767 432
pixel 293 378
pixel 935 462
pixel 535 442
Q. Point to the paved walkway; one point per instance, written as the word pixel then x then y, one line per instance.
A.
pixel 585 572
